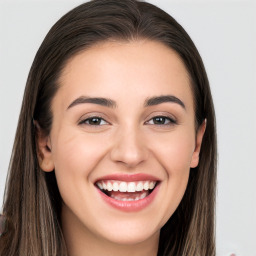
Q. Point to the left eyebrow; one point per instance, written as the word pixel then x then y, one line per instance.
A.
pixel 162 99
pixel 98 101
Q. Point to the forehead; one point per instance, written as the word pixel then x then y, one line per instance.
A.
pixel 123 70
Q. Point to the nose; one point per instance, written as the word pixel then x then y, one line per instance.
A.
pixel 129 148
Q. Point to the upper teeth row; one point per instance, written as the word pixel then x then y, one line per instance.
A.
pixel 123 186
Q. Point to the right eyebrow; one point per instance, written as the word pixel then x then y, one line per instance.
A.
pixel 94 100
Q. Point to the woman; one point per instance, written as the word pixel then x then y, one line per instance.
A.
pixel 116 111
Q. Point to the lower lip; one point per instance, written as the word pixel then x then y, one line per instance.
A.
pixel 130 206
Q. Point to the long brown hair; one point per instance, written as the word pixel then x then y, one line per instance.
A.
pixel 32 202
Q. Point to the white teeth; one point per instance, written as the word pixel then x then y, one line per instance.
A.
pixel 143 196
pixel 100 185
pixel 115 186
pixel 146 185
pixel 130 199
pixel 123 186
pixel 131 187
pixel 109 186
pixel 151 185
pixel 139 186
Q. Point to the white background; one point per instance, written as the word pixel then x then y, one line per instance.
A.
pixel 225 34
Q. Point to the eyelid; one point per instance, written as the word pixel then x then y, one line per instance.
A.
pixel 101 120
pixel 85 117
pixel 171 121
pixel 172 118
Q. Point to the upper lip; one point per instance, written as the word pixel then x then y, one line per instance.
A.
pixel 128 177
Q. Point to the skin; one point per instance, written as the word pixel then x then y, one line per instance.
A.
pixel 127 141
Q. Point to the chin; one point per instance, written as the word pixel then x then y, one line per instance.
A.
pixel 130 232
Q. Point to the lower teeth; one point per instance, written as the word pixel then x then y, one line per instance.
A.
pixel 129 199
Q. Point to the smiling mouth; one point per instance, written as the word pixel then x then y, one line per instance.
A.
pixel 126 191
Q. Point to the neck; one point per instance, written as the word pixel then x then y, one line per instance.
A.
pixel 80 241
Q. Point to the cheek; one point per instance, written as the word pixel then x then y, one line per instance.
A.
pixel 76 155
pixel 175 152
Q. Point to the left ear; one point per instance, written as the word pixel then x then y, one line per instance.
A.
pixel 199 139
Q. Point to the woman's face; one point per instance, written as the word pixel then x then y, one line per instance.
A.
pixel 123 140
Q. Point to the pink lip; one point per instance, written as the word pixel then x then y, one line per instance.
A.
pixel 129 177
pixel 129 206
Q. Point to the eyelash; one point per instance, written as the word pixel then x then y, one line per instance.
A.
pixel 165 119
pixel 85 121
pixel 169 120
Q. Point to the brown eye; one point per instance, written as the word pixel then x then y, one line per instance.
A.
pixel 94 121
pixel 161 120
